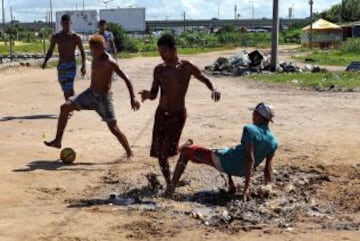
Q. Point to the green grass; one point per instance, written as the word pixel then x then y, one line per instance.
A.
pixel 21 47
pixel 181 51
pixel 347 81
pixel 190 51
pixel 330 57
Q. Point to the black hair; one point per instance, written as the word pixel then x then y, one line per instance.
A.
pixel 167 40
pixel 102 21
pixel 65 18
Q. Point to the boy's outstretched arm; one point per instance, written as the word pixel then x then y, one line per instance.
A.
pixel 151 95
pixel 50 51
pixel 215 95
pixel 135 104
pixel 83 57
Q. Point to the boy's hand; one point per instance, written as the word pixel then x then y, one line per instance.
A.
pixel 145 94
pixel 215 95
pixel 135 105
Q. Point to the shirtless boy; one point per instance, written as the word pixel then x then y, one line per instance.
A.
pixel 67 42
pixel 172 78
pixel 99 96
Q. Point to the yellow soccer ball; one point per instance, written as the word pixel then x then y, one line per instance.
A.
pixel 67 155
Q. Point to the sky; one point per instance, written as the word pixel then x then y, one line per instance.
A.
pixel 37 10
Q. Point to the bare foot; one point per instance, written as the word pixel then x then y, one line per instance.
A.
pixel 53 143
pixel 129 156
pixel 187 143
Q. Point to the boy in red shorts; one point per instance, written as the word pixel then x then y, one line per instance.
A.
pixel 256 145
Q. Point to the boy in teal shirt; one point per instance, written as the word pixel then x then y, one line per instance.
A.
pixel 257 144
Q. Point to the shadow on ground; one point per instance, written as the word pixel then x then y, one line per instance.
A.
pixel 58 165
pixel 29 117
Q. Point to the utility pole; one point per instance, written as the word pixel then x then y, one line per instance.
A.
pixel 235 12
pixel 3 15
pixel 184 15
pixel 252 9
pixel 311 2
pixel 83 5
pixel 342 11
pixel 11 35
pixel 51 16
pixel 275 35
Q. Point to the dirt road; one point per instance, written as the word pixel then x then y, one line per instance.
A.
pixel 41 199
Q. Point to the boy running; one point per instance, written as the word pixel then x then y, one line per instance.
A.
pixel 67 42
pixel 99 96
pixel 172 78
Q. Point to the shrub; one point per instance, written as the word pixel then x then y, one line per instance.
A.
pixel 122 41
pixel 228 37
pixel 351 45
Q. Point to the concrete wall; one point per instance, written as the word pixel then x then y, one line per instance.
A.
pixel 131 19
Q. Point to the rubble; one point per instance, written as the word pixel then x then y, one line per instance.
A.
pixel 246 63
pixel 293 194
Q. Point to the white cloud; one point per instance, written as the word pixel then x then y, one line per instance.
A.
pixel 26 10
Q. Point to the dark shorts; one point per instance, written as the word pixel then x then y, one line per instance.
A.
pixel 66 75
pixel 101 103
pixel 199 154
pixel 166 133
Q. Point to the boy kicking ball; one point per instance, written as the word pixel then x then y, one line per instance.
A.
pixel 98 96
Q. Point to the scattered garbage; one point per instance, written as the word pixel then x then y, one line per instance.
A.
pixel 246 63
pixel 154 183
pixel 354 66
pixel 293 193
pixel 291 198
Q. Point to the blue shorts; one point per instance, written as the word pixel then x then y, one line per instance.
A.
pixel 101 103
pixel 66 75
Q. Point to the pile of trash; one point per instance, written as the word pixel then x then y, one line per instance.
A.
pixel 246 63
pixel 293 194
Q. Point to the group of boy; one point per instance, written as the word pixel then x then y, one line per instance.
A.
pixel 171 78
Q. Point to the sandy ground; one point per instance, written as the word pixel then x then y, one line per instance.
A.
pixel 42 199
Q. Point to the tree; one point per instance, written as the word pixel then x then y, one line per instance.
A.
pixel 333 14
pixel 347 11
pixel 351 10
pixel 122 41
